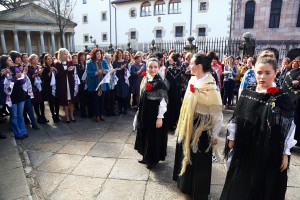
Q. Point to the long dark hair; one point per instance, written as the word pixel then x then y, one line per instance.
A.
pixel 3 61
pixel 205 60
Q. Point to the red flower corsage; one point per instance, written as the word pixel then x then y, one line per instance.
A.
pixel 298 78
pixel 148 86
pixel 166 70
pixel 144 73
pixel 192 88
pixel 272 90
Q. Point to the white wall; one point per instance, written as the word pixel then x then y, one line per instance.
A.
pixel 215 20
pixel 95 26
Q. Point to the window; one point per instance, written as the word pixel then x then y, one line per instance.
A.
pixel 133 35
pixel 203 6
pixel 84 1
pixel 86 38
pixel 158 34
pixel 159 7
pixel 201 31
pixel 174 7
pixel 249 14
pixel 103 16
pixel 133 13
pixel 275 13
pixel 145 9
pixel 298 19
pixel 85 19
pixel 179 31
pixel 104 37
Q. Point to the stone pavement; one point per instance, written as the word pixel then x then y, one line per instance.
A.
pixel 89 160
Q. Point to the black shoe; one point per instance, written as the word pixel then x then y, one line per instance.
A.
pixel 44 119
pixel 3 136
pixel 113 114
pixel 67 122
pixel 142 161
pixel 40 121
pixel 150 166
pixel 125 112
pixel 26 135
pixel 73 120
pixel 20 137
pixel 35 127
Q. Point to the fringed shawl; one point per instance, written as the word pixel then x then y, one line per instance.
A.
pixel 197 115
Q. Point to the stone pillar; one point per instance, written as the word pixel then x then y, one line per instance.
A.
pixel 64 40
pixel 16 41
pixel 53 43
pixel 42 42
pixel 4 49
pixel 28 43
pixel 73 41
pixel 68 42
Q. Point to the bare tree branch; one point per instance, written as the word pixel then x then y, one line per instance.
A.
pixel 8 4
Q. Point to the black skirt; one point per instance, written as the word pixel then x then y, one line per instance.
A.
pixel 197 178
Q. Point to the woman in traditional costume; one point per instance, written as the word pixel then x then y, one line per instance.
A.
pixel 291 84
pixel 152 131
pixel 261 135
pixel 197 130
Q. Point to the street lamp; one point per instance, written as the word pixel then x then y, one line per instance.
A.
pixel 93 41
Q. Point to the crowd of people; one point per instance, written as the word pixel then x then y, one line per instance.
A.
pixel 171 91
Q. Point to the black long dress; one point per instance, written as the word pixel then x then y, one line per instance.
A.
pixel 151 142
pixel 174 78
pixel 261 131
pixel 196 180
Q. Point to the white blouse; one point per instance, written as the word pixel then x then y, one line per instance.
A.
pixel 289 143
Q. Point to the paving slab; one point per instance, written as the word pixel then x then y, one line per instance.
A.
pixel 162 172
pixel 293 176
pixel 52 146
pixel 49 181
pixel 88 136
pixel 129 152
pixel 77 147
pixel 78 188
pixel 114 189
pixel 130 170
pixel 15 184
pixel 163 191
pixel 38 157
pixel 118 137
pixel 60 163
pixel 94 167
pixel 131 139
pixel 218 174
pixel 9 161
pixel 106 150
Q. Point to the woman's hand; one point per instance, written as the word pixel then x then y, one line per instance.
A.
pixel 159 122
pixel 231 144
pixel 215 141
pixel 284 163
pixel 71 68
pixel 123 66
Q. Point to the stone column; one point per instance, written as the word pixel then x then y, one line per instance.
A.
pixel 68 42
pixel 16 41
pixel 73 41
pixel 64 40
pixel 42 42
pixel 53 43
pixel 4 49
pixel 28 43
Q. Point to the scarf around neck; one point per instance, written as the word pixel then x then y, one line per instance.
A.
pixel 203 102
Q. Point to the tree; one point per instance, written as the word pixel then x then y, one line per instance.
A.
pixel 63 13
pixel 8 4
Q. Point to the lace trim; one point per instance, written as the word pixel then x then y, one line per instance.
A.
pixel 157 95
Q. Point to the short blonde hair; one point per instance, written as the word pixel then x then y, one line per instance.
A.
pixel 61 53
pixel 32 56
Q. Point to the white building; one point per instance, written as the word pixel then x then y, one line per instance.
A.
pixel 137 21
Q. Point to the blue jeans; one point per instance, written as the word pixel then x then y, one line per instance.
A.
pixel 17 119
pixel 28 109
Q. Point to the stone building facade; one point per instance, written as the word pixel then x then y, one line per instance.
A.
pixel 275 24
pixel 32 29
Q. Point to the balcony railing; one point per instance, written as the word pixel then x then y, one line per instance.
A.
pixel 145 13
pixel 175 11
pixel 159 12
